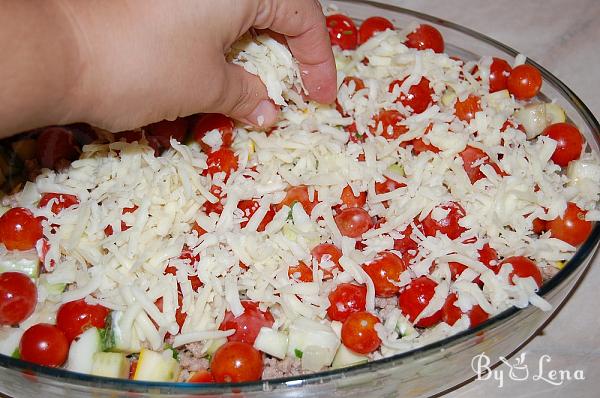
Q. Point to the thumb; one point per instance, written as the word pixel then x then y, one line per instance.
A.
pixel 244 97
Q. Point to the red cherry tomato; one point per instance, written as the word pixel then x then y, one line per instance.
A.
pixel 350 200
pixel 419 95
pixel 216 207
pixel 524 82
pixel 572 227
pixel 373 25
pixel 180 316
pixel 425 37
pixel 449 225
pixel 45 345
pixel 499 72
pixel 355 136
pixel 236 362
pixel 488 256
pixel 62 201
pixel 201 376
pixel 419 146
pixel 301 272
pixel 167 129
pixel 523 268
pixel 569 142
pixel 209 122
pixel 299 194
pixel 56 145
pixel 406 246
pixel 194 279
pixel 539 226
pixel 353 222
pixel 249 207
pixel 18 297
pixel 413 299
pixel 75 317
pixel 391 121
pixel 327 252
pixel 19 229
pixel 452 313
pixel 346 299
pixel 359 334
pixel 388 185
pixel 223 160
pixel 108 231
pixel 466 110
pixel 248 324
pixel 473 158
pixel 342 31
pixel 359 84
pixel 199 230
pixel 383 270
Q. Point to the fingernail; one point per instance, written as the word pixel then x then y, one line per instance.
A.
pixel 265 114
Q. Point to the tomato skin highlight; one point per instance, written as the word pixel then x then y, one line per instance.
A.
pixel 569 142
pixel 333 254
pixel 75 317
pixel 419 95
pixel 19 229
pixel 209 122
pixel 572 227
pixel 359 334
pixel 345 300
pixel 384 268
pixel 371 26
pixel 499 71
pixel 425 37
pixel 342 31
pixel 524 82
pixel 452 313
pixel 353 222
pixel 522 268
pixel 236 362
pixel 248 325
pixel 18 298
pixel 45 345
pixel 413 299
pixel 449 225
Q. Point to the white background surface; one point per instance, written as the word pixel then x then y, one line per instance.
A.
pixel 564 37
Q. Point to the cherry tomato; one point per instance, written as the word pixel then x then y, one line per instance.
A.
pixel 353 222
pixel 299 194
pixel 359 84
pixel 413 299
pixel 199 230
pixel 330 253
pixel 63 201
pixel 180 316
pixel 346 299
pixel 350 200
pixel 499 72
pixel 419 95
pixel 194 279
pixel 473 158
pixel 301 272
pixel 45 345
pixel 342 31
pixel 391 121
pixel 388 185
pixel 406 246
pixel 19 229
pixel 236 362
pixel 216 207
pixel 383 270
pixel 209 122
pixel 524 82
pixel 419 146
pixel 466 110
pixel 449 225
pixel 539 226
pixel 572 227
pixel 18 297
pixel 569 142
pixel 249 207
pixel 201 376
pixel 373 25
pixel 248 324
pixel 355 136
pixel 55 145
pixel 488 256
pixel 108 231
pixel 523 268
pixel 223 160
pixel 75 317
pixel 451 313
pixel 167 129
pixel 359 334
pixel 425 37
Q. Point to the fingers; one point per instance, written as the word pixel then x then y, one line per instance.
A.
pixel 303 22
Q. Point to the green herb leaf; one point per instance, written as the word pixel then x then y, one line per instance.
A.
pixel 298 353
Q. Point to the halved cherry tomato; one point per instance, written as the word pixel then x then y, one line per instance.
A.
pixel 331 254
pixel 249 207
pixel 248 324
pixel 388 185
pixel 406 246
pixel 167 129
pixel 572 227
pixel 342 31
pixel 299 194
pixel 62 201
pixel 419 95
pixel 353 222
pixel 449 225
pixel 451 313
pixel 569 142
pixel 425 37
pixel 216 207
pixel 18 297
pixel 201 376
pixel 346 299
pixel 56 145
pixel 223 160
pixel 45 345
pixel 180 316
pixel 355 136
pixel 383 271
pixel 108 231
pixel 236 362
pixel 209 122
pixel 359 84
pixel 350 200
pixel 488 256
pixel 419 146
pixel 301 272
pixel 413 299
pixel 524 82
pixel 523 268
pixel 359 334
pixel 466 110
pixel 194 279
pixel 539 226
pixel 373 25
pixel 391 121
pixel 75 317
pixel 20 229
pixel 473 158
pixel 499 72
